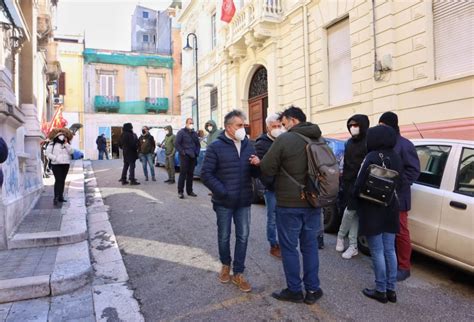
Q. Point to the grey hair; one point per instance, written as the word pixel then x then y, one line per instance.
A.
pixel 231 115
pixel 272 118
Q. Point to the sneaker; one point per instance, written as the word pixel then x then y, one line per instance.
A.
pixel 402 274
pixel 350 252
pixel 340 245
pixel 224 275
pixel 288 296
pixel 239 280
pixel 311 297
pixel 275 251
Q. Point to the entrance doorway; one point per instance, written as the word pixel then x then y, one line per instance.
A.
pixel 116 132
pixel 258 102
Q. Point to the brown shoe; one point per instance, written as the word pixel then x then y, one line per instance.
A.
pixel 224 275
pixel 275 251
pixel 239 280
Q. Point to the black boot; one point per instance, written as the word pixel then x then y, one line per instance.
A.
pixel 55 201
pixel 376 295
pixel 61 199
pixel 391 296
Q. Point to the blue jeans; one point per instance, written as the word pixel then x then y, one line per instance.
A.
pixel 384 260
pixel 102 153
pixel 299 225
pixel 241 218
pixel 147 159
pixel 270 203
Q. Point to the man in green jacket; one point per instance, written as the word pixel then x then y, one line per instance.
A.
pixel 297 222
pixel 211 128
pixel 170 151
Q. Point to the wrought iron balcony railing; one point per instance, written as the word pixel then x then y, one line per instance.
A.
pixel 156 104
pixel 107 103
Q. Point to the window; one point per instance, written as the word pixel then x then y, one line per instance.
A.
pixel 145 38
pixel 465 178
pixel 453 44
pixel 156 86
pixel 194 111
pixel 214 104
pixel 339 63
pixel 107 84
pixel 213 31
pixel 145 14
pixel 433 159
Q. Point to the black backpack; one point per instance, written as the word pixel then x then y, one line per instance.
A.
pixel 322 180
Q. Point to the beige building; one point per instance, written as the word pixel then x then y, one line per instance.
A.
pixel 28 65
pixel 323 57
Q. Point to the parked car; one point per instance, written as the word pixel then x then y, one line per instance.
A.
pixel 160 160
pixel 441 219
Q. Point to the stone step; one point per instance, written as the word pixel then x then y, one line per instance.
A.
pixel 47 225
pixel 43 271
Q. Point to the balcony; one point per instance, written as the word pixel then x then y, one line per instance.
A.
pixel 252 25
pixel 53 67
pixel 156 104
pixel 44 23
pixel 109 104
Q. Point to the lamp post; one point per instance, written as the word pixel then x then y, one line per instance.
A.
pixel 188 48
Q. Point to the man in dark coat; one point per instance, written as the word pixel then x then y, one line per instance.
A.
pixel 146 152
pixel 411 171
pixel 227 172
pixel 263 144
pixel 354 154
pixel 129 145
pixel 378 223
pixel 102 146
pixel 297 221
pixel 188 145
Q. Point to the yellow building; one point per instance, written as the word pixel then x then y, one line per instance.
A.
pixel 121 87
pixel 323 57
pixel 69 90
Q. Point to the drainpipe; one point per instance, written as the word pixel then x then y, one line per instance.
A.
pixel 377 69
pixel 306 62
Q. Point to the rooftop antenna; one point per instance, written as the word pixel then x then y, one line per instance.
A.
pixel 419 132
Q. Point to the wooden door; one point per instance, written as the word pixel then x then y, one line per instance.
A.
pixel 256 118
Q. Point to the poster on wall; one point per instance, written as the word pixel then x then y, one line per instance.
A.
pixel 108 135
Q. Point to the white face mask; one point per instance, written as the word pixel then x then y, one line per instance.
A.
pixel 167 132
pixel 190 126
pixel 354 130
pixel 240 134
pixel 61 137
pixel 276 132
pixel 209 128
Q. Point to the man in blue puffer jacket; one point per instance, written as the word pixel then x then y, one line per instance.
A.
pixel 227 172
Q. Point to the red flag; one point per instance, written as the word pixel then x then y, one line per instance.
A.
pixel 228 10
pixel 58 121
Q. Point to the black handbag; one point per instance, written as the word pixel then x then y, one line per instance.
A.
pixel 380 184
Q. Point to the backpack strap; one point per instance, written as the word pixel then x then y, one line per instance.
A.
pixel 293 179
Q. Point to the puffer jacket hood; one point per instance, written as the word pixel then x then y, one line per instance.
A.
pixel 364 123
pixel 307 129
pixel 127 127
pixel 170 129
pixel 381 137
pixel 211 123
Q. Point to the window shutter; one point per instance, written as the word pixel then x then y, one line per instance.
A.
pixel 339 59
pixel 454 46
pixel 110 90
pixel 103 85
pixel 62 84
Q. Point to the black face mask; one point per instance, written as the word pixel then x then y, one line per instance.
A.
pixel 143 131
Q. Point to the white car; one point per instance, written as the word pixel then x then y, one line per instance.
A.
pixel 441 219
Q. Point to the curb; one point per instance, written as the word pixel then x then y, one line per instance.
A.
pixel 73 225
pixel 72 270
pixel 112 297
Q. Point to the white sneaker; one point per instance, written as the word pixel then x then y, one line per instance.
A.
pixel 340 245
pixel 350 252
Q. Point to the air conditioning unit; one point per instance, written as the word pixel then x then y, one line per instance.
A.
pixel 58 100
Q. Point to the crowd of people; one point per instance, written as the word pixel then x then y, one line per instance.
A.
pixel 294 227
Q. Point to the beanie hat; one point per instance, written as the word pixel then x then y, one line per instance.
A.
pixel 390 119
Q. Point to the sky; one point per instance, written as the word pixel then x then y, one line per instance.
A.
pixel 106 23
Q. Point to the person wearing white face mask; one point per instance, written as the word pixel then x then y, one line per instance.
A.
pixel 227 172
pixel 354 154
pixel 262 145
pixel 188 145
pixel 59 153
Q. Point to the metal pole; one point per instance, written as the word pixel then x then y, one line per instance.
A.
pixel 197 82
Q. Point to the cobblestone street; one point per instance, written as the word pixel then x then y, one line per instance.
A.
pixel 169 248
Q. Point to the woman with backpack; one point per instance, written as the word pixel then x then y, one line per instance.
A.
pixel 379 222
pixel 59 153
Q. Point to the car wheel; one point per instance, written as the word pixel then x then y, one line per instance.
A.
pixel 332 219
pixel 363 245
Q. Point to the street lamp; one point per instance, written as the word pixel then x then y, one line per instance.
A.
pixel 188 48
